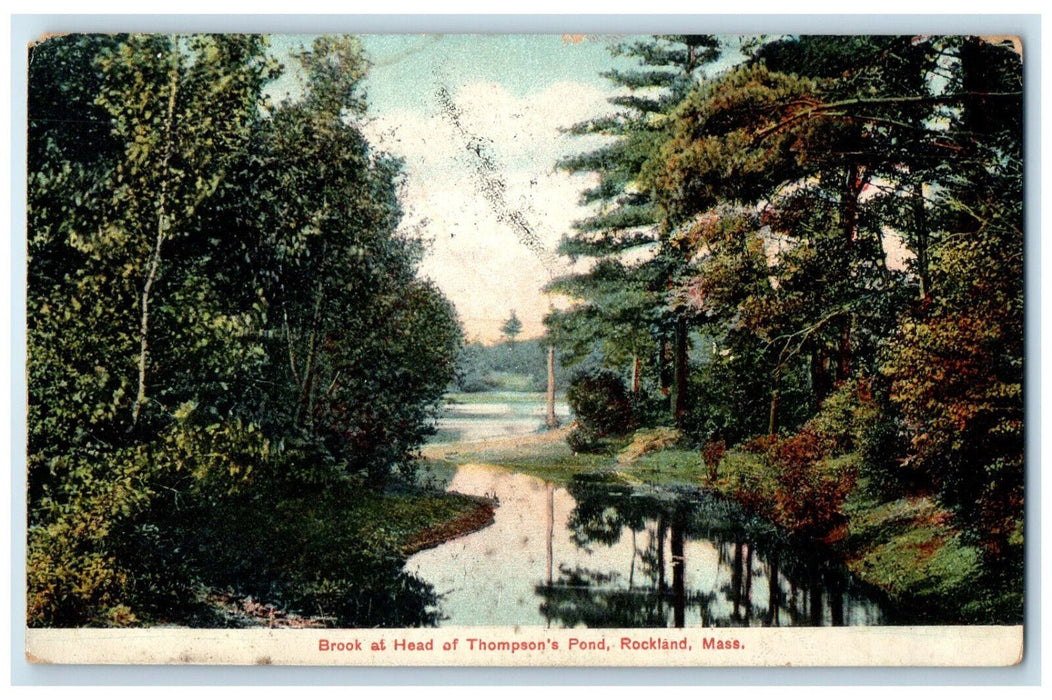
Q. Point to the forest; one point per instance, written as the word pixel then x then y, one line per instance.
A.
pixel 812 261
pixel 230 350
pixel 804 269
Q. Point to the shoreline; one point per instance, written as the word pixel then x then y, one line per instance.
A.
pixel 906 549
pixel 480 517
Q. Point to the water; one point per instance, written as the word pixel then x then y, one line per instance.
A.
pixel 605 554
pixel 473 417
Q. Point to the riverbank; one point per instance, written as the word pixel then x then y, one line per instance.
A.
pixel 908 549
pixel 330 558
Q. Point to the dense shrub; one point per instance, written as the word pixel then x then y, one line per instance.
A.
pixel 712 453
pixel 585 440
pixel 808 498
pixel 730 398
pixel 600 402
pixel 98 548
pixel 858 417
pixel 650 407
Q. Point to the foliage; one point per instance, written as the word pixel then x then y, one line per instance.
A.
pixel 219 305
pixel 601 408
pixel 787 182
pixel 619 318
pixel 584 439
pixel 511 328
pixel 599 402
pixel 712 453
pixel 508 366
pixel 808 498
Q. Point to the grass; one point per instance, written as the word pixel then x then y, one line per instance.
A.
pixel 334 556
pixel 909 549
pixel 546 456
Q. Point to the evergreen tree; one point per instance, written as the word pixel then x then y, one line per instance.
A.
pixel 621 312
pixel 511 328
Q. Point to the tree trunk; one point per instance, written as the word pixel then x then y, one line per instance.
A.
pixel 551 420
pixel 820 384
pixel 843 365
pixel 679 394
pixel 163 225
pixel 305 406
pixel 664 360
pixel 772 420
pixel 854 182
pixel 920 233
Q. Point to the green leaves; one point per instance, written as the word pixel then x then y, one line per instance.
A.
pixel 218 304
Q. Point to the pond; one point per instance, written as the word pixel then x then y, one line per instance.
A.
pixel 601 553
pixel 493 414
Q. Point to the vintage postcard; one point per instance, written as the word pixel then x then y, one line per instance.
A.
pixel 525 350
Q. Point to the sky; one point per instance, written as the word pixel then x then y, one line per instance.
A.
pixel 477 120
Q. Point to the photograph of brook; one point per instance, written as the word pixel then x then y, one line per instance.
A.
pixel 524 332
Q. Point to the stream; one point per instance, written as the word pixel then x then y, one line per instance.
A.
pixel 602 553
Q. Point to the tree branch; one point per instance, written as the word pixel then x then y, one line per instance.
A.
pixel 162 228
pixel 829 108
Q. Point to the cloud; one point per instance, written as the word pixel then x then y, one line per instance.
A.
pixel 477 217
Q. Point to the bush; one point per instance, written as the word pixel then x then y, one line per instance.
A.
pixel 584 440
pixel 808 493
pixel 96 555
pixel 858 417
pixel 713 453
pixel 600 403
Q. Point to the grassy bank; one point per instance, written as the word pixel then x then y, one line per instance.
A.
pixel 907 548
pixel 334 557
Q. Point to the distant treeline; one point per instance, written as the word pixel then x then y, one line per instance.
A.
pixel 508 366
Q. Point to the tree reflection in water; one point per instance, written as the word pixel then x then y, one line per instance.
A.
pixel 728 568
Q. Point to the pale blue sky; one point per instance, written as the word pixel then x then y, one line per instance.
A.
pixel 515 95
pixel 406 68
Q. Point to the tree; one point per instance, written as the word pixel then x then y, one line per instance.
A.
pixel 178 362
pixel 835 144
pixel 343 345
pixel 956 361
pixel 115 259
pixel 511 328
pixel 827 135
pixel 621 314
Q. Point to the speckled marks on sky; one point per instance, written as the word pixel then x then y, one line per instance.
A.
pixel 491 185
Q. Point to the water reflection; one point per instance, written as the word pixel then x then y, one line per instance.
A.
pixel 607 554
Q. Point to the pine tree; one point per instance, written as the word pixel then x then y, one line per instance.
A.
pixel 511 328
pixel 621 314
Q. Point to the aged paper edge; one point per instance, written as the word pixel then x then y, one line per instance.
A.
pixel 980 646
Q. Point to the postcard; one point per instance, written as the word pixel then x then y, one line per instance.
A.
pixel 525 350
